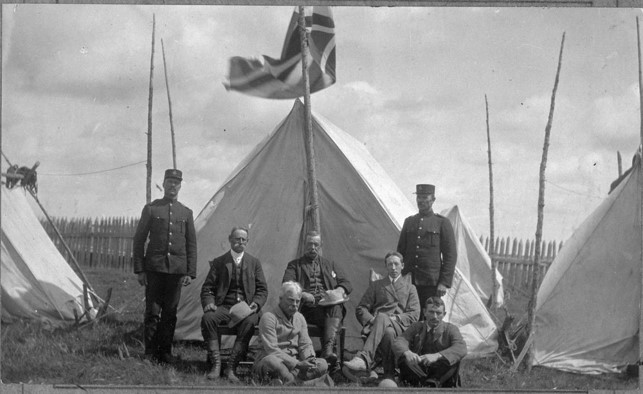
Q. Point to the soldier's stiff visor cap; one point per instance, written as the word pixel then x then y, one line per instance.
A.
pixel 175 174
pixel 424 189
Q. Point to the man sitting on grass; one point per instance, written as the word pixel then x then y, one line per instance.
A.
pixel 287 356
pixel 429 352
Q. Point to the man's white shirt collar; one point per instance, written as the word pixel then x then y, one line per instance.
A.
pixel 236 256
pixel 394 280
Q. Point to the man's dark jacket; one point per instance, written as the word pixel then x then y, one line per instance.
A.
pixel 216 285
pixel 446 340
pixel 332 275
pixel 172 246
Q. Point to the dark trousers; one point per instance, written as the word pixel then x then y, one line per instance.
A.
pixel 162 295
pixel 425 292
pixel 212 320
pixel 317 315
pixel 439 374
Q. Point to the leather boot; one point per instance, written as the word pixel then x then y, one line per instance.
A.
pixel 214 360
pixel 238 350
pixel 331 326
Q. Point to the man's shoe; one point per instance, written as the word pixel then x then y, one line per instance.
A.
pixel 167 358
pixel 153 358
pixel 276 382
pixel 229 373
pixel 356 376
pixel 356 364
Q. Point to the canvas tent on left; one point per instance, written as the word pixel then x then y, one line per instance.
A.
pixel 37 282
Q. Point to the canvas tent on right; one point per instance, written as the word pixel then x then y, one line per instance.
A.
pixel 588 305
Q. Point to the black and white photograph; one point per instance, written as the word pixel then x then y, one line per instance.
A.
pixel 330 196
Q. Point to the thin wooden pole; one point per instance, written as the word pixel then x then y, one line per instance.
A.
pixel 169 103
pixel 541 207
pixel 308 132
pixel 492 297
pixel 148 193
pixel 638 41
pixel 619 161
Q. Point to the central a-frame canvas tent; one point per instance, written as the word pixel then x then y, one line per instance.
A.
pixel 588 305
pixel 37 282
pixel 361 213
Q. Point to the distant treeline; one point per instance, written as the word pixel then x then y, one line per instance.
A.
pixel 107 243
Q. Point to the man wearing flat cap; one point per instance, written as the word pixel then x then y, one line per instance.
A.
pixel 168 262
pixel 427 243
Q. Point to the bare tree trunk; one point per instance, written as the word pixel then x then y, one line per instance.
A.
pixel 492 297
pixel 638 41
pixel 169 103
pixel 148 193
pixel 541 207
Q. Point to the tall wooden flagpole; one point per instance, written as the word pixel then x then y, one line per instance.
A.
pixel 313 209
pixel 638 41
pixel 492 297
pixel 148 193
pixel 539 226
pixel 169 103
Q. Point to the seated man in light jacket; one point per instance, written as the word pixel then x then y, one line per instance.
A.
pixel 430 351
pixel 287 355
pixel 389 306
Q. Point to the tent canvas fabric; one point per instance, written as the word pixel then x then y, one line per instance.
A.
pixel 361 213
pixel 473 261
pixel 588 305
pixel 37 282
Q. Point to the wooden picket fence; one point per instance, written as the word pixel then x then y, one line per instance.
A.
pixel 107 243
pixel 98 242
pixel 515 259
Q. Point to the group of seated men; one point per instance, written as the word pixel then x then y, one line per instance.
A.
pixel 313 290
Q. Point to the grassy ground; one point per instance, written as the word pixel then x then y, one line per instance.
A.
pixel 110 353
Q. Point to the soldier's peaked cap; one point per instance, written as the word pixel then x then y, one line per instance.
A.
pixel 172 173
pixel 424 189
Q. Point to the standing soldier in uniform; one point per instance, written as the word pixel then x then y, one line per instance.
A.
pixel 168 263
pixel 428 245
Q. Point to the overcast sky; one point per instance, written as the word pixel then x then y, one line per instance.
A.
pixel 411 85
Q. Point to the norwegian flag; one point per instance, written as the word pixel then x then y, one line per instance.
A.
pixel 282 78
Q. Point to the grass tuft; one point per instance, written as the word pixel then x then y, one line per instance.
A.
pixel 111 352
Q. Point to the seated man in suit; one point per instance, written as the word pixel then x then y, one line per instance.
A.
pixel 287 355
pixel 235 277
pixel 325 288
pixel 389 306
pixel 429 352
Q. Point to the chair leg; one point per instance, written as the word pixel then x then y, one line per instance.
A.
pixel 342 333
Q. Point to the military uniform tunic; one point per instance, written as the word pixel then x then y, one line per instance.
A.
pixel 427 243
pixel 172 246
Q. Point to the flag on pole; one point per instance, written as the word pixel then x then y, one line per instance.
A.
pixel 282 78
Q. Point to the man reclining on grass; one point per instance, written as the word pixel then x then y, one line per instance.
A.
pixel 429 352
